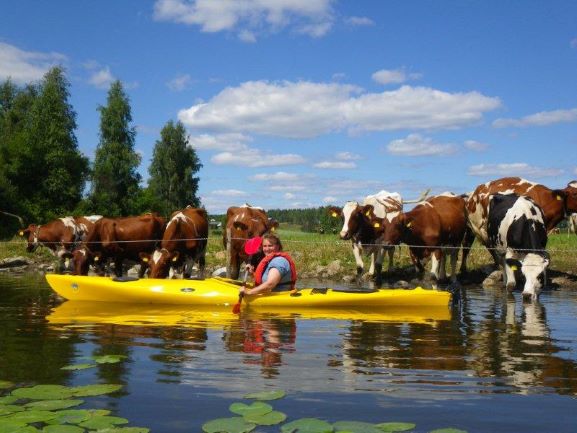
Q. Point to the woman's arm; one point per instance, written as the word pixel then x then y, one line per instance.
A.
pixel 273 279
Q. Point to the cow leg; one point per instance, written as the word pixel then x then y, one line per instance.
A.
pixel 436 259
pixel 391 253
pixel 201 266
pixel 454 252
pixel 508 275
pixel 358 260
pixel 234 266
pixel 380 253
pixel 468 240
pixel 118 267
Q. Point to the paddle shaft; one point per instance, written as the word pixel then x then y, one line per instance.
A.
pixel 236 308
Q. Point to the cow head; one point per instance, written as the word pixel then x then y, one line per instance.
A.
pixel 390 229
pixel 533 267
pixel 571 197
pixel 160 262
pixel 81 259
pixel 348 228
pixel 31 235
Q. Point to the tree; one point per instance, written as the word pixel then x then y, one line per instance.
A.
pixel 39 156
pixel 172 182
pixel 115 180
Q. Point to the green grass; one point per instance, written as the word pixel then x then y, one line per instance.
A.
pixel 312 250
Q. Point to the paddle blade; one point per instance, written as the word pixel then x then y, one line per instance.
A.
pixel 236 308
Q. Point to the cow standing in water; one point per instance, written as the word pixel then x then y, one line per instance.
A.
pixel 60 236
pixel 183 243
pixel 243 223
pixel 434 228
pixel 555 204
pixel 518 236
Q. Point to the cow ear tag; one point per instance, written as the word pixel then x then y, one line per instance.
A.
pixel 559 197
pixel 409 224
pixel 96 258
pixel 145 259
pixel 513 268
pixel 174 259
pixel 376 225
pixel 21 233
pixel 272 229
pixel 334 215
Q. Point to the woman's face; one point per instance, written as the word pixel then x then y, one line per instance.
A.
pixel 268 247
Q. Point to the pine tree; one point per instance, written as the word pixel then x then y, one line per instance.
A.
pixel 172 182
pixel 115 180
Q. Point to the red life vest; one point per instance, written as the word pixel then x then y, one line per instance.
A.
pixel 266 260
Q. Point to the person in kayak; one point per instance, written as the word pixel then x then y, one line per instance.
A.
pixel 276 272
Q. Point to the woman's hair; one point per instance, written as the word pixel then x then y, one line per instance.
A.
pixel 273 239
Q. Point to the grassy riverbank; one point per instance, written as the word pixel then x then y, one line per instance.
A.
pixel 313 252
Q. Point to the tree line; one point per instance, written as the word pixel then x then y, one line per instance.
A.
pixel 44 175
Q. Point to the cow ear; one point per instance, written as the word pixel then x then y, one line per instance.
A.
pixel 239 225
pixel 409 224
pixel 335 212
pixel 368 210
pixel 559 194
pixel 514 264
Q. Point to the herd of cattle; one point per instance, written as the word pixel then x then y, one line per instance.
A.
pixel 510 216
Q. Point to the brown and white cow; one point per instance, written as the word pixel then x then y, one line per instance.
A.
pixel 434 228
pixel 556 204
pixel 183 243
pixel 60 235
pixel 243 223
pixel 365 239
pixel 117 239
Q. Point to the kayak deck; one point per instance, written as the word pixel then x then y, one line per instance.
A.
pixel 223 292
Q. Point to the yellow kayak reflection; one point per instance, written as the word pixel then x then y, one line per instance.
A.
pixel 78 313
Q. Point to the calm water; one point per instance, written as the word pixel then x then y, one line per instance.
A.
pixel 495 364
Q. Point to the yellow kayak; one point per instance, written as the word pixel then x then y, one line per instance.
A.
pixel 223 292
pixel 82 313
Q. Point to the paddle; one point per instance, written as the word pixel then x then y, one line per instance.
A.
pixel 236 308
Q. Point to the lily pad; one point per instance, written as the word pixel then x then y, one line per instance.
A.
pixel 4 384
pixel 93 390
pixel 108 359
pixel 256 408
pixel 53 404
pixel 43 392
pixel 78 367
pixel 9 399
pixel 6 409
pixel 307 425
pixel 271 418
pixel 125 430
pixel 99 422
pixel 71 416
pixel 32 416
pixel 62 429
pixel 448 430
pixel 394 427
pixel 266 395
pixel 356 427
pixel 11 427
pixel 235 424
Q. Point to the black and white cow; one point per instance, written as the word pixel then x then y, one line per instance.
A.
pixel 518 235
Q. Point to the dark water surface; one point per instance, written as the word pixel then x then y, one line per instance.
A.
pixel 495 364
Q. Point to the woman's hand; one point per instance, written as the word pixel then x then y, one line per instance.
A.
pixel 244 290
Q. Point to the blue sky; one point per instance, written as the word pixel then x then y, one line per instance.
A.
pixel 300 103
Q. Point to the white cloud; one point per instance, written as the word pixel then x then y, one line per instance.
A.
pixel 393 76
pixel 179 83
pixel 329 199
pixel 543 118
pixel 306 109
pixel 101 78
pixel 515 169
pixel 288 188
pixel 575 171
pixel 573 43
pixel 230 142
pixel 359 21
pixel 229 193
pixel 417 145
pixel 289 196
pixel 256 158
pixel 25 66
pixel 247 17
pixel 347 156
pixel 281 176
pixel 335 165
pixel 476 145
